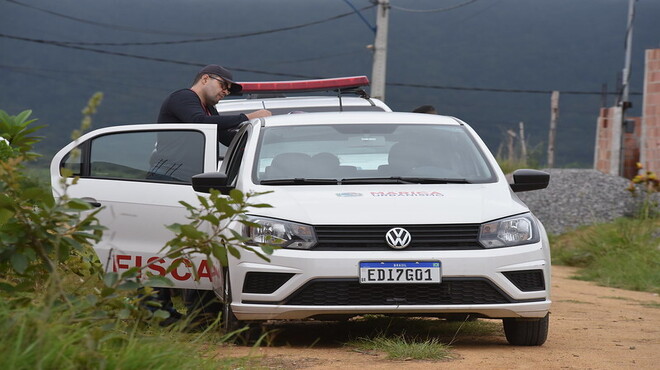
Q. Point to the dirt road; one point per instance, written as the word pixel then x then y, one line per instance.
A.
pixel 591 327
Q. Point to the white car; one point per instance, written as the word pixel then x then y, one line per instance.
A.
pixel 374 213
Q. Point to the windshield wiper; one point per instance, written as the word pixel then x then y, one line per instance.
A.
pixel 300 181
pixel 403 180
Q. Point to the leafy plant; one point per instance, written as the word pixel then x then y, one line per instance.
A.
pixel 648 184
pixel 209 233
pixel 58 308
pixel 37 233
pixel 44 242
pixel 18 139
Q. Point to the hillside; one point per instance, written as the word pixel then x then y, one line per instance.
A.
pixel 529 45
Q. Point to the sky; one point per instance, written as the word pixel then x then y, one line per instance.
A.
pixel 491 63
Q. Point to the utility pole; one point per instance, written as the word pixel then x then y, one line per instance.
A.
pixel 624 104
pixel 380 51
pixel 626 67
pixel 554 114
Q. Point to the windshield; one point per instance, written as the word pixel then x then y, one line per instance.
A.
pixel 369 153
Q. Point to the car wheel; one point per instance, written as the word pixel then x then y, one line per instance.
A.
pixel 246 332
pixel 229 321
pixel 202 306
pixel 526 332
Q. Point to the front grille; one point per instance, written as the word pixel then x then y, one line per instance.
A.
pixel 527 280
pixel 344 292
pixel 264 282
pixel 372 237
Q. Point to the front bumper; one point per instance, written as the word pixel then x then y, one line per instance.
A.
pixel 317 283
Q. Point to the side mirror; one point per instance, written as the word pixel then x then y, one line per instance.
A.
pixel 204 182
pixel 526 180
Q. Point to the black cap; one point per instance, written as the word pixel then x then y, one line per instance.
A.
pixel 217 70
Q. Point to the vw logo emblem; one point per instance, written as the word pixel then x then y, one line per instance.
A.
pixel 398 238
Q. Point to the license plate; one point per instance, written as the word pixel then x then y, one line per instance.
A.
pixel 399 272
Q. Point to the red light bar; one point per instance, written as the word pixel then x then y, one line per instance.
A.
pixel 325 84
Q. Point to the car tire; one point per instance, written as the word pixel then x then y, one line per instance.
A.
pixel 202 306
pixel 526 332
pixel 246 332
pixel 229 321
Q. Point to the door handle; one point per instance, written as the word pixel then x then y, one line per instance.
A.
pixel 93 202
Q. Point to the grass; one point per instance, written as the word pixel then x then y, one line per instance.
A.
pixel 402 348
pixel 34 337
pixel 624 254
pixel 416 338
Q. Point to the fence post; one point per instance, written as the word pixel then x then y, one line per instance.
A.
pixel 554 114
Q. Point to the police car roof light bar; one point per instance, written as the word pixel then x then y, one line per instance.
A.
pixel 326 84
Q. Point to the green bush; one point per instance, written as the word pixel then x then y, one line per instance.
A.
pixel 38 235
pixel 623 254
pixel 58 308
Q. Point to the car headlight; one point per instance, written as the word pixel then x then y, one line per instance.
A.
pixel 282 234
pixel 510 231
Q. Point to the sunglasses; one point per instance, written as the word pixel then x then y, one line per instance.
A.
pixel 223 84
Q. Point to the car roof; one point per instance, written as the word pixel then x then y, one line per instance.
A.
pixel 283 105
pixel 358 118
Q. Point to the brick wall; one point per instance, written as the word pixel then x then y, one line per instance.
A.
pixel 650 145
pixel 632 134
pixel 608 141
pixel 618 149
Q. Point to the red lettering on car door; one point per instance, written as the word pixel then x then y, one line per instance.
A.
pixel 175 272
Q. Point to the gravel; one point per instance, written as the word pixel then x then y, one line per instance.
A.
pixel 577 197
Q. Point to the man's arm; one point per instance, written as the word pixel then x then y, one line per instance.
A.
pixel 185 106
pixel 259 113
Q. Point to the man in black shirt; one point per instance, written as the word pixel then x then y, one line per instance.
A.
pixel 197 104
pixel 173 159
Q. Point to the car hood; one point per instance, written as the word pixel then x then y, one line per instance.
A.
pixel 387 204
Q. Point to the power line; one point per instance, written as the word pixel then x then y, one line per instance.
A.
pixel 205 39
pixel 91 75
pixel 106 25
pixel 142 57
pixel 484 89
pixel 423 86
pixel 133 91
pixel 321 57
pixel 439 10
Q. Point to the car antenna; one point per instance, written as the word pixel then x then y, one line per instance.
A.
pixel 341 106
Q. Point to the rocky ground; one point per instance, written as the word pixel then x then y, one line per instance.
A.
pixel 591 327
pixel 577 197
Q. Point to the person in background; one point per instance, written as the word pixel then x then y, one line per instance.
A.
pixel 425 109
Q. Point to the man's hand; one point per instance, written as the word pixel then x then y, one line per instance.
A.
pixel 259 113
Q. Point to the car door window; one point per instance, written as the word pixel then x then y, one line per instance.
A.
pixel 171 156
pixel 235 159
